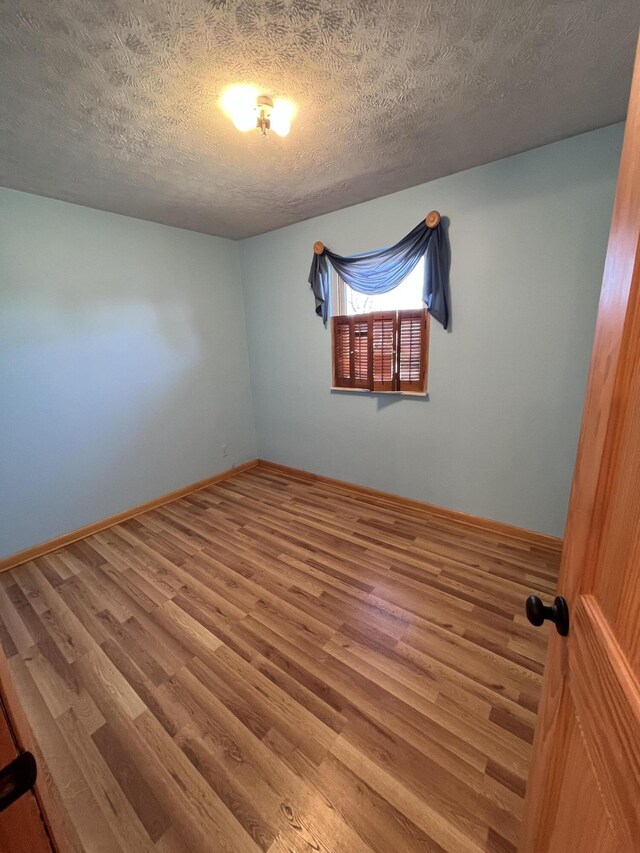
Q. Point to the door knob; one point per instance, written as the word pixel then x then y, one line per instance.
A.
pixel 558 613
pixel 17 778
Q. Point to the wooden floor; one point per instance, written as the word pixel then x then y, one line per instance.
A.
pixel 282 665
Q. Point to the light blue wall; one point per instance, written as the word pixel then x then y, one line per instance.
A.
pixel 123 353
pixel 497 436
pixel 123 364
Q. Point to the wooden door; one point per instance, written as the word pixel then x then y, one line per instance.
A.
pixel 584 786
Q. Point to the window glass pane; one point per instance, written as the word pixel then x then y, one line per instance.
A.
pixel 408 294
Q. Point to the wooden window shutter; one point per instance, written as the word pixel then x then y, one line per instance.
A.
pixel 385 351
pixel 342 352
pixel 362 351
pixel 383 335
pixel 413 331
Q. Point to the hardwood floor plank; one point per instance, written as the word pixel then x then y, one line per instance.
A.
pixel 21 638
pixel 107 687
pixel 85 824
pixel 132 783
pixel 375 820
pixel 445 834
pixel 227 788
pixel 281 664
pixel 115 802
pixel 146 690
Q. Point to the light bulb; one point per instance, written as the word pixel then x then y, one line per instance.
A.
pixel 239 103
pixel 245 120
pixel 281 115
pixel 280 123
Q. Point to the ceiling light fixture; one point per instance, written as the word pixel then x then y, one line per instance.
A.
pixel 248 109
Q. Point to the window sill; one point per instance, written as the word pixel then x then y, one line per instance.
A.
pixel 367 391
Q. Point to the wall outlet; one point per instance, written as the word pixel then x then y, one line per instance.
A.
pixel 225 452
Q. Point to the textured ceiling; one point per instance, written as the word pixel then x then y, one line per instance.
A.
pixel 113 103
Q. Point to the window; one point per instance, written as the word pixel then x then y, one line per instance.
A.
pixel 408 294
pixel 380 342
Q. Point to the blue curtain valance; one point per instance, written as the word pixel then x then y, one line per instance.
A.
pixel 384 269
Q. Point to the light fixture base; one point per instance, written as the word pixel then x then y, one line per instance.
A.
pixel 248 110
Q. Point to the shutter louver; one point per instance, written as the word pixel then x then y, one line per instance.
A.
pixel 412 347
pixel 361 352
pixel 342 361
pixel 384 351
